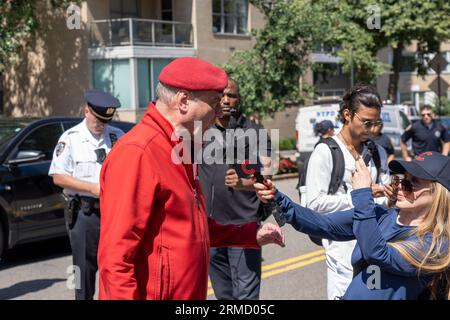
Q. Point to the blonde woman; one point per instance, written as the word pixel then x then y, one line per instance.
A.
pixel 401 253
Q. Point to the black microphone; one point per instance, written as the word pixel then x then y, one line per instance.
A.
pixel 271 207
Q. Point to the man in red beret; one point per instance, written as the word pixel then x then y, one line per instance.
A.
pixel 154 234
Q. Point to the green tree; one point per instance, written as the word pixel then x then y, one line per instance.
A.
pixel 19 22
pixel 400 23
pixel 268 74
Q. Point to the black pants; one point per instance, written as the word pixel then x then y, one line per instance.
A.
pixel 84 238
pixel 235 273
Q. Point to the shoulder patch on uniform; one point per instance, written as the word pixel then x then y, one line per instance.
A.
pixel 70 132
pixel 437 134
pixel 60 148
pixel 113 138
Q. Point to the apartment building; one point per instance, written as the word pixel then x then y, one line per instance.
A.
pixel 121 47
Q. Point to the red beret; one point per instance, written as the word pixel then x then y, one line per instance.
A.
pixel 193 74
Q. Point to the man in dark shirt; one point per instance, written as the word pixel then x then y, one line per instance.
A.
pixel 383 140
pixel 230 199
pixel 427 135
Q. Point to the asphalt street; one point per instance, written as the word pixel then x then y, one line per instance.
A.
pixel 40 271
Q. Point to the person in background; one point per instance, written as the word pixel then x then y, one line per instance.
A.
pixel 427 135
pixel 383 140
pixel 324 129
pixel 360 114
pixel 235 272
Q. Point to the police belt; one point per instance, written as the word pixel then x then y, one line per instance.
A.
pixel 89 205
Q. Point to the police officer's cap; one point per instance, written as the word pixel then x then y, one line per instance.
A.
pixel 102 104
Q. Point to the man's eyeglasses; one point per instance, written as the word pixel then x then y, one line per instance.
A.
pixel 369 124
pixel 426 115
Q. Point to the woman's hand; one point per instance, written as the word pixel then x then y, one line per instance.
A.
pixel 361 176
pixel 266 191
pixel 391 193
pixel 270 233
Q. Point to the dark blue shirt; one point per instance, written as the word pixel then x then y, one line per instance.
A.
pixel 384 141
pixel 372 226
pixel 424 138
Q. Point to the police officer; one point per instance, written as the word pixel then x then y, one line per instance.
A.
pixel 427 135
pixel 76 166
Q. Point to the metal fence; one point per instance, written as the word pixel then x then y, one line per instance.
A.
pixel 144 32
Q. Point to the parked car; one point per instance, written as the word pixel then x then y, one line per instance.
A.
pixel 31 205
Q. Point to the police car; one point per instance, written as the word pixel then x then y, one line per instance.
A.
pixel 31 205
pixel 394 119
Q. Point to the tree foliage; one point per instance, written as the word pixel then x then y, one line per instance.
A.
pixel 19 22
pixel 268 74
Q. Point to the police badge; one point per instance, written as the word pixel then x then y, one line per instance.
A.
pixel 60 148
pixel 113 138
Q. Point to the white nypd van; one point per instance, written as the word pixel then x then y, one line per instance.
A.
pixel 394 119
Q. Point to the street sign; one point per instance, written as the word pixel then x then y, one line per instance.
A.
pixel 434 86
pixel 438 63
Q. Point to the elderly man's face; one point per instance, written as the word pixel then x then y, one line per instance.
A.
pixel 206 108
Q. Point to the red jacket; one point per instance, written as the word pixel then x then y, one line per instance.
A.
pixel 154 234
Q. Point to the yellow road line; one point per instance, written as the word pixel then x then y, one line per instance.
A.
pixel 292 260
pixel 314 257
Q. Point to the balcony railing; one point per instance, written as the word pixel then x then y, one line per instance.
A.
pixel 141 32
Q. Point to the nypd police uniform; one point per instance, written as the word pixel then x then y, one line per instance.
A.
pixel 426 137
pixel 79 154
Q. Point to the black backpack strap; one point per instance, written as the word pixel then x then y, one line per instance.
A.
pixel 337 173
pixel 373 149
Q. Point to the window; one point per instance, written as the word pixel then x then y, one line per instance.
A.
pixel 406 98
pixel 166 10
pixel 114 76
pixel 408 63
pixel 43 139
pixel 148 73
pixel 230 16
pixel 123 9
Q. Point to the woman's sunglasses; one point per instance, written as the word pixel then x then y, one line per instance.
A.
pixel 406 185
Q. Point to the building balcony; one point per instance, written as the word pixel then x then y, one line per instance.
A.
pixel 140 32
